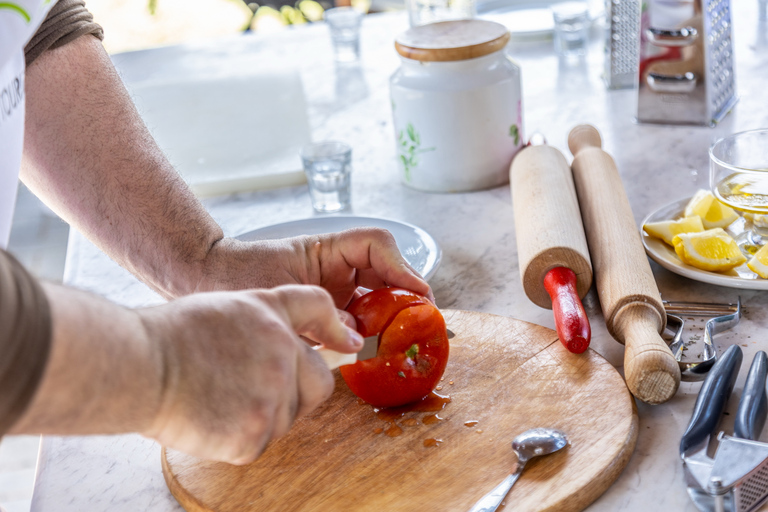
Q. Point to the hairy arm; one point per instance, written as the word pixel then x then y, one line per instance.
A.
pixel 103 376
pixel 88 155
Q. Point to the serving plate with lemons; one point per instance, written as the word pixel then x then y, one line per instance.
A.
pixel 696 238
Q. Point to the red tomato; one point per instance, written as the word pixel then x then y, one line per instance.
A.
pixel 413 348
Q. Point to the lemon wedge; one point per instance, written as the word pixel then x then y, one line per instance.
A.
pixel 667 229
pixel 713 213
pixel 713 250
pixel 759 262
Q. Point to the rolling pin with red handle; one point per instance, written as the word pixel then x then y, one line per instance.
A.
pixel 634 313
pixel 551 247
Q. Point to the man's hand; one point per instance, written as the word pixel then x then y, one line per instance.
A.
pixel 339 262
pixel 217 375
pixel 237 374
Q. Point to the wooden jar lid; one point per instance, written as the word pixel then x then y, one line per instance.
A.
pixel 452 40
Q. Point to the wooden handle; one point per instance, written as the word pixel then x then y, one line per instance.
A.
pixel 334 359
pixel 622 273
pixel 570 318
pixel 651 372
pixel 547 221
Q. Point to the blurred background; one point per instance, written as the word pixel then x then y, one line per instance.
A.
pixel 138 24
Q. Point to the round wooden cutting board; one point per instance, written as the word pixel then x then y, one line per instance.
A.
pixel 504 374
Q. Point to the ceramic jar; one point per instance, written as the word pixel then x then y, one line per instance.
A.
pixel 457 106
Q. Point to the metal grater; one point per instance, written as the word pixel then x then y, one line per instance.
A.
pixel 685 75
pixel 751 493
pixel 622 43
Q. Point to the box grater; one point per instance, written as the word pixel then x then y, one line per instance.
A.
pixel 622 43
pixel 686 73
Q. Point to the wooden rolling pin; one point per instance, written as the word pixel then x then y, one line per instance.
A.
pixel 631 303
pixel 551 247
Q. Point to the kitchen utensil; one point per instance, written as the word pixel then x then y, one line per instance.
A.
pixel 504 377
pixel 622 43
pixel 736 479
pixel 229 142
pixel 722 318
pixel 551 245
pixel 686 62
pixel 664 254
pixel 335 359
pixel 531 443
pixel 417 246
pixel 628 294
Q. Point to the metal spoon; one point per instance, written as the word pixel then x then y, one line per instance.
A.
pixel 531 443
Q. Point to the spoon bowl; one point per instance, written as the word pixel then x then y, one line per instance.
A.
pixel 531 443
pixel 537 442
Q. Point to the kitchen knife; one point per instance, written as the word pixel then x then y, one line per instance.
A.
pixel 628 293
pixel 335 359
pixel 552 251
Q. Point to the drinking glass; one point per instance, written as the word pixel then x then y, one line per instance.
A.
pixel 328 166
pixel 344 23
pixel 571 28
pixel 421 12
pixel 738 176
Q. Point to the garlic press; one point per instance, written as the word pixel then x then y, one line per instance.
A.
pixel 721 318
pixel 736 478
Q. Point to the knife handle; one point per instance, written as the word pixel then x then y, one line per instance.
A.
pixel 753 405
pixel 710 404
pixel 333 359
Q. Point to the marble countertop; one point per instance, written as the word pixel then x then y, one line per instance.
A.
pixel 479 270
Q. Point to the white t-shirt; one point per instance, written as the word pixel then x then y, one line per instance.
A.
pixel 19 19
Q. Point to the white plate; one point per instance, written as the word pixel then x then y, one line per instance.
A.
pixel 525 20
pixel 416 245
pixel 664 255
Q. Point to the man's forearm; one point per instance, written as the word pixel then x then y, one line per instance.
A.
pixel 103 376
pixel 89 156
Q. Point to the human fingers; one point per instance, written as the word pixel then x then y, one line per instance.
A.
pixel 315 382
pixel 374 253
pixel 311 313
pixel 346 318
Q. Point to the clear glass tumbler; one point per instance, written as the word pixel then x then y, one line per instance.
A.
pixel 738 176
pixel 328 166
pixel 421 12
pixel 571 28
pixel 344 23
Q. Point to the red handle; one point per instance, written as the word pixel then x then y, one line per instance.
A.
pixel 570 318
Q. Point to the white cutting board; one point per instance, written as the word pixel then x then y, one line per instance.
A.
pixel 229 133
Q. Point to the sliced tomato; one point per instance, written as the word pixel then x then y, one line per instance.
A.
pixel 413 348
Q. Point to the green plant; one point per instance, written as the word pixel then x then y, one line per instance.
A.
pixel 408 146
pixel 514 131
